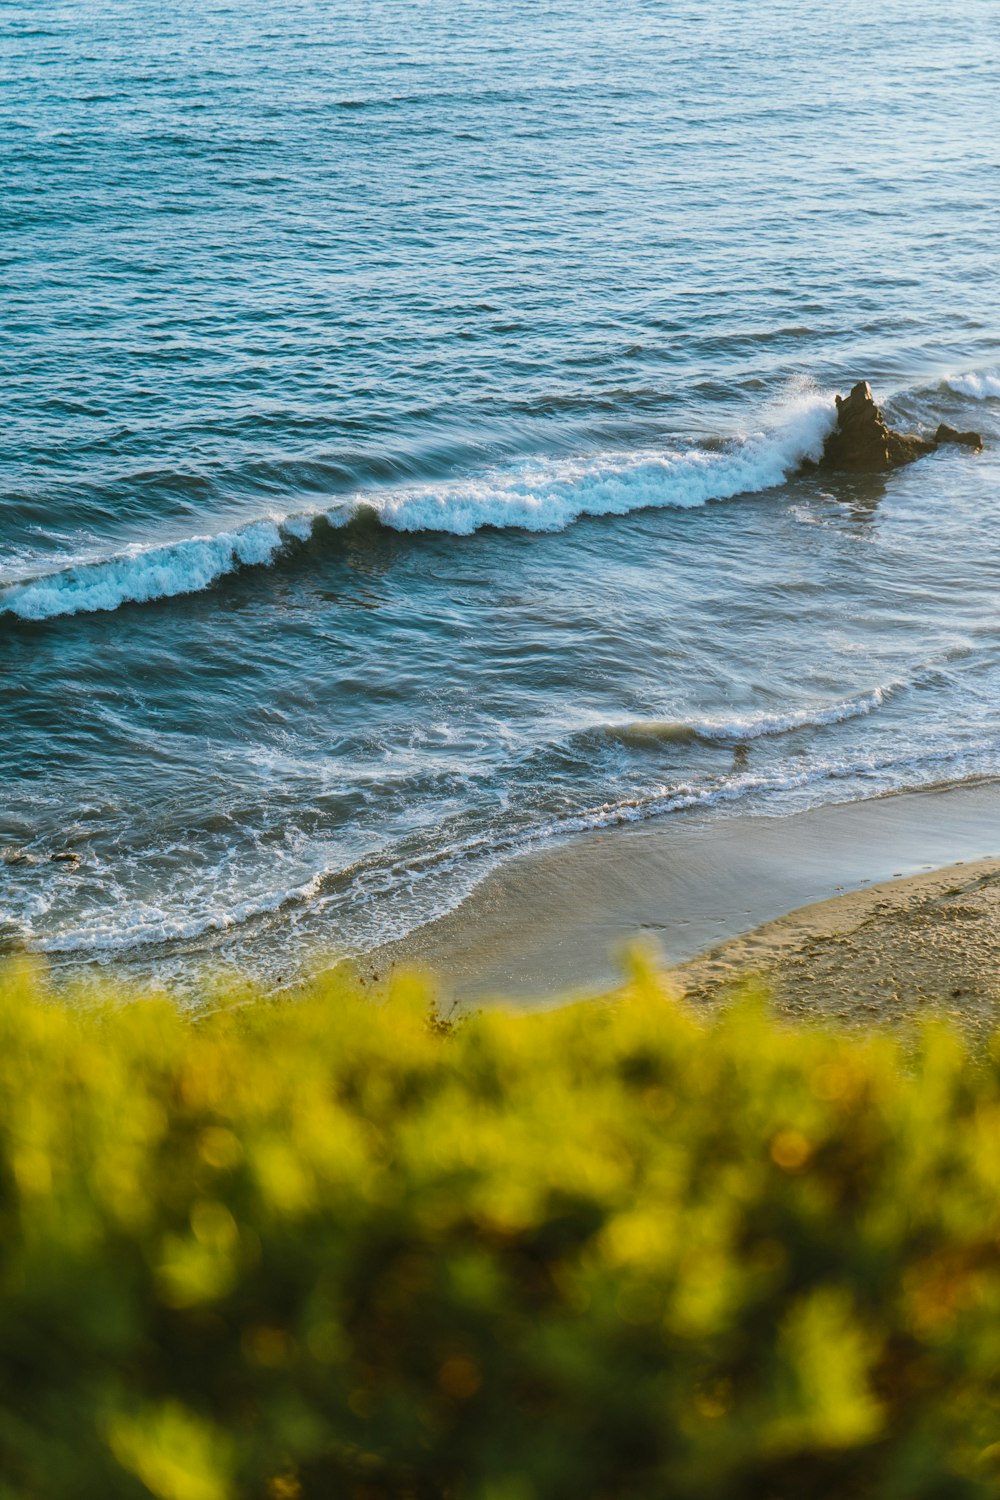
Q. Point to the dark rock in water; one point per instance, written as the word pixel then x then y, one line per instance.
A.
pixel 863 442
pixel 26 857
pixel 946 434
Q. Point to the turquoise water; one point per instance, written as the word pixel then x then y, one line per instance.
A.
pixel 402 405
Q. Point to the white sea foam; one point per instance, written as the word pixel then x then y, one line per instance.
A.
pixel 139 574
pixel 543 495
pixel 140 926
pixel 549 495
pixel 143 927
pixel 980 384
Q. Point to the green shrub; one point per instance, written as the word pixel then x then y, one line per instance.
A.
pixel 319 1249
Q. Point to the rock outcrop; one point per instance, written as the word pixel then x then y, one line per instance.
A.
pixel 863 442
pixel 946 434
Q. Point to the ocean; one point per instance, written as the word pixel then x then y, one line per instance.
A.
pixel 402 412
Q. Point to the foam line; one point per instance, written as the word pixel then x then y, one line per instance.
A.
pixel 139 574
pixel 545 495
pixel 550 495
pixel 982 385
pixel 751 727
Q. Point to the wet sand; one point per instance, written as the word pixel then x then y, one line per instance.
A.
pixel 552 924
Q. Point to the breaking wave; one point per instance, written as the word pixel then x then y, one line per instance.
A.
pixel 152 928
pixel 139 574
pixel 543 495
pixel 982 385
pixel 476 857
pixel 739 730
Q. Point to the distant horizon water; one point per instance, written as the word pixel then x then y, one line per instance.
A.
pixel 404 412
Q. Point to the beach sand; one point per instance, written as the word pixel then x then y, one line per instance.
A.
pixel 880 956
pixel 908 918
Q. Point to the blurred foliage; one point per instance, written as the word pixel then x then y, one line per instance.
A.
pixel 323 1249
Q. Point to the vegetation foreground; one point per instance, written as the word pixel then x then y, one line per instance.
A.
pixel 326 1249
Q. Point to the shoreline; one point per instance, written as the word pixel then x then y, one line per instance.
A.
pixel 551 925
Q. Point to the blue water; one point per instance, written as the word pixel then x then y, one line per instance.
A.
pixel 402 408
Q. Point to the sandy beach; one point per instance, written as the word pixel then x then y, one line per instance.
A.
pixel 880 956
pixel 865 910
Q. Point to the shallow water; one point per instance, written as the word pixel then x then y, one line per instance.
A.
pixel 403 405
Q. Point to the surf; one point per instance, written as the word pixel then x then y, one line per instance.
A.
pixel 640 733
pixel 539 495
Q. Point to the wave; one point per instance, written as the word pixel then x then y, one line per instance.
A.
pixel 982 385
pixel 139 574
pixel 151 931
pixel 549 495
pixel 372 877
pixel 149 928
pixel 739 730
pixel 543 495
pixel 477 856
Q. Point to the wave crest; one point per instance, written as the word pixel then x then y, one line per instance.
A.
pixel 550 495
pixel 982 385
pixel 643 732
pixel 544 495
pixel 143 573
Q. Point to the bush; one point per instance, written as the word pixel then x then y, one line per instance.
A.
pixel 319 1249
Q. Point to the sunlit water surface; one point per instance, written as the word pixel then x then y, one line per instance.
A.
pixel 402 409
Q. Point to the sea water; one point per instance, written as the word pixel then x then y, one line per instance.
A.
pixel 403 406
